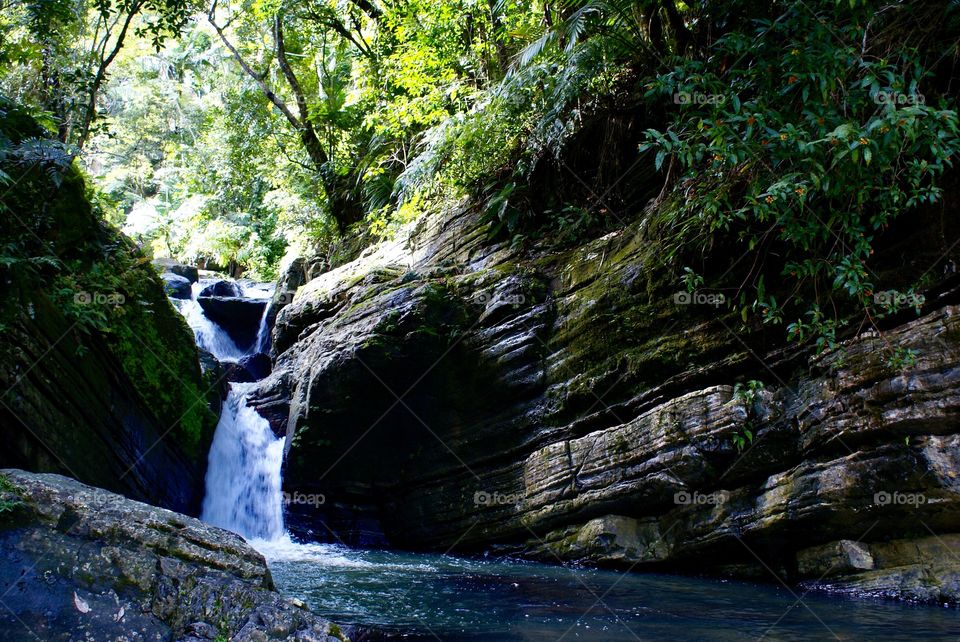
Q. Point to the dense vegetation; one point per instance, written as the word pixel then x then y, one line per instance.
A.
pixel 788 135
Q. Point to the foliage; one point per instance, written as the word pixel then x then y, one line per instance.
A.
pixel 804 137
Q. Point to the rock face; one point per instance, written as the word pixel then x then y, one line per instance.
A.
pixel 81 563
pixel 445 391
pixel 98 371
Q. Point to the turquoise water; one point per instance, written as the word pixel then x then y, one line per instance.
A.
pixel 430 597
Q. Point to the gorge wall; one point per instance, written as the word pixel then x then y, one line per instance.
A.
pixel 99 375
pixel 448 392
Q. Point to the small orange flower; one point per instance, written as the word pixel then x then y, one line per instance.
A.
pixel 769 199
pixel 864 141
pixel 784 137
pixel 792 79
pixel 751 120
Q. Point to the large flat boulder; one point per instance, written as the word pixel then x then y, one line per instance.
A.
pixel 240 318
pixel 81 563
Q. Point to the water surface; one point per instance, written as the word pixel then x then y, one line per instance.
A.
pixel 422 596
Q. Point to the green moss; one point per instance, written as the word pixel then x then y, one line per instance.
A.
pixel 60 248
pixel 9 495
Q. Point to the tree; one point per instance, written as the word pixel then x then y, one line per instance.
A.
pixel 69 46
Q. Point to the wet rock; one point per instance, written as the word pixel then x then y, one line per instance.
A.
pixel 83 563
pixel 835 558
pixel 165 265
pixel 240 318
pixel 258 365
pixel 176 287
pixel 222 288
pixel 925 569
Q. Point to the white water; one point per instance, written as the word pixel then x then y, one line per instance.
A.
pixel 262 344
pixel 243 481
pixel 208 334
pixel 243 491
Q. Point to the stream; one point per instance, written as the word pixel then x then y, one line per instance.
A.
pixel 414 596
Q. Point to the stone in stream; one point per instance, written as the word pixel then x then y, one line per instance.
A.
pixel 188 272
pixel 240 318
pixel 222 288
pixel 253 367
pixel 176 286
pixel 82 563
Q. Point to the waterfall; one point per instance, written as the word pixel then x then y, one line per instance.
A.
pixel 262 344
pixel 243 491
pixel 208 334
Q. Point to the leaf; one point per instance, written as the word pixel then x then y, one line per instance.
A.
pixel 658 163
pixel 80 603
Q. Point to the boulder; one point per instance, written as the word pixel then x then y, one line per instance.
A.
pixel 176 286
pixel 923 570
pixel 835 558
pixel 222 288
pixel 258 365
pixel 237 373
pixel 82 563
pixel 240 318
pixel 165 265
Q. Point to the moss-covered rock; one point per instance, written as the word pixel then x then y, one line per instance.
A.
pixel 99 373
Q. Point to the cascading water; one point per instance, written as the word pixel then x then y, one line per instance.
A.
pixel 243 491
pixel 243 474
pixel 262 344
pixel 208 334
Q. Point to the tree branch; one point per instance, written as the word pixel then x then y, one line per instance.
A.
pixel 271 96
pixel 91 110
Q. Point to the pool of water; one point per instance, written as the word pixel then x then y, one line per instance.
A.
pixel 461 599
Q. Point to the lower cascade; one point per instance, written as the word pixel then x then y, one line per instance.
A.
pixel 243 476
